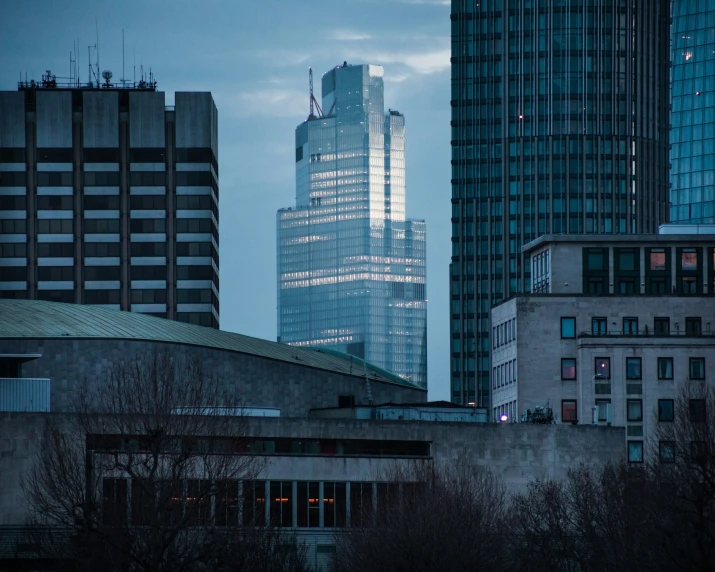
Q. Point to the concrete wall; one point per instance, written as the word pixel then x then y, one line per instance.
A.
pixel 196 121
pixel 54 118
pixel 12 119
pixel 100 119
pixel 146 119
pixel 260 382
pixel 517 453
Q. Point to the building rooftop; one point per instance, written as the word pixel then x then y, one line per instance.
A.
pixel 631 239
pixel 39 319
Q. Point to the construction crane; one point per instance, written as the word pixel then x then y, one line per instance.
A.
pixel 313 101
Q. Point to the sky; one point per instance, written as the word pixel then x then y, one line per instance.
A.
pixel 253 56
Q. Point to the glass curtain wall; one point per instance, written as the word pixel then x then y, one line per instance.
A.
pixel 692 154
pixel 351 268
pixel 559 125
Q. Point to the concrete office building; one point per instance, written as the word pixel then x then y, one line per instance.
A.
pixel 613 328
pixel 110 197
pixel 351 267
pixel 560 124
pixel 692 138
pixel 309 416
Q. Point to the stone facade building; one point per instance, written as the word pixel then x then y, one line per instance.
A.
pixel 613 328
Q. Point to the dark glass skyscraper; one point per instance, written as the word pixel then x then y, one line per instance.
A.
pixel 692 154
pixel 559 125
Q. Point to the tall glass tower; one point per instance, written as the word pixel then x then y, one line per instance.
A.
pixel 559 125
pixel 351 268
pixel 692 154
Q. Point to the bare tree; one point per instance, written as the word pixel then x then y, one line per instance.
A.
pixel 431 519
pixel 592 521
pixel 145 473
pixel 683 466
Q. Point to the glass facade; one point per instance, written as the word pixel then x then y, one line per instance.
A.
pixel 692 154
pixel 559 125
pixel 351 268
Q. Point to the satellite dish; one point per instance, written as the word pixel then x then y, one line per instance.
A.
pixel 107 75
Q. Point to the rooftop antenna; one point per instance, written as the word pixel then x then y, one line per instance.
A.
pixel 313 101
pixel 123 81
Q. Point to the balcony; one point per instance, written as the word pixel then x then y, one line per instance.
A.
pixel 24 395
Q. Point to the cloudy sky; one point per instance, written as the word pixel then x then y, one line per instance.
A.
pixel 253 55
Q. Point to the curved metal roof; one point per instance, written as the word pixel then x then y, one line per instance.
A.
pixel 39 319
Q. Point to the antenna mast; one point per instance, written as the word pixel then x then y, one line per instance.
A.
pixel 313 102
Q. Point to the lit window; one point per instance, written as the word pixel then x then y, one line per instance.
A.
pixel 568 411
pixel 603 368
pixel 568 368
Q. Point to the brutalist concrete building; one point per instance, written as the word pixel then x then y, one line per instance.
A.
pixel 110 197
pixel 314 415
pixel 613 328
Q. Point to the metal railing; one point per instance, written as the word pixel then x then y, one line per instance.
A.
pixel 646 332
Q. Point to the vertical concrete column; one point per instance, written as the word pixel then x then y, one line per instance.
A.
pixel 77 189
pixel 170 215
pixel 31 190
pixel 124 210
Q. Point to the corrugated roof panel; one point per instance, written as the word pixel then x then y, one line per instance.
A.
pixel 40 319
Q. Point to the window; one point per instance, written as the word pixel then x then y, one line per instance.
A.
pixel 599 326
pixel 568 368
pixel 281 496
pixel 334 504
pixel 666 410
pixel 665 368
pixel 689 259
pixel 633 368
pixel 309 504
pixel 630 326
pixel 635 451
pixel 693 326
pixel 634 408
pixel 360 504
pixel 568 411
pixel 226 511
pixel 254 503
pixel 666 451
pixel 596 259
pixel 626 257
pixel 114 508
pixel 603 368
pixel 602 405
pixel 697 410
pixel 657 259
pixel 697 368
pixel 661 326
pixel 568 328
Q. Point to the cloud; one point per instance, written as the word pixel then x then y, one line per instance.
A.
pixel 413 62
pixel 271 102
pixel 428 2
pixel 344 35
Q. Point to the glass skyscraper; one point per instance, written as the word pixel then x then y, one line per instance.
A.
pixel 559 125
pixel 692 153
pixel 351 268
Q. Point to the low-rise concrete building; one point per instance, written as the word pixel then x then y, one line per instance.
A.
pixel 613 328
pixel 330 427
